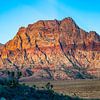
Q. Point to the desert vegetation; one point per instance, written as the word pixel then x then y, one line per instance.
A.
pixel 10 89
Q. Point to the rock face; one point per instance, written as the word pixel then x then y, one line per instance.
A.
pixel 53 49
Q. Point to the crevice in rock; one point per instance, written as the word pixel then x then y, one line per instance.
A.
pixel 28 38
pixel 73 57
pixel 25 55
pixel 40 60
pixel 32 61
pixel 49 72
pixel 37 47
pixel 10 62
pixel 40 34
pixel 86 59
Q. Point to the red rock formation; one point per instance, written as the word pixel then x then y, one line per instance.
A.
pixel 56 49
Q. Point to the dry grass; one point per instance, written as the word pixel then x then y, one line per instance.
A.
pixel 81 88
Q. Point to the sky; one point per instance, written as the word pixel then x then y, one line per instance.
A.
pixel 17 13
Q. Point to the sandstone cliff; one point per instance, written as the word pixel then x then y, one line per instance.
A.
pixel 53 49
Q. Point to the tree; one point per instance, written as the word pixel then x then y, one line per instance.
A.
pixel 48 86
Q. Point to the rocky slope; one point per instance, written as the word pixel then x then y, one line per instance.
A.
pixel 53 49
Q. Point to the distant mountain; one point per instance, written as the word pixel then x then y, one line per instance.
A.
pixel 53 49
pixel 1 44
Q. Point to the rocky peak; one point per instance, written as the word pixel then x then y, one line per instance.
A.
pixel 70 30
pixel 21 30
pixel 93 36
pixel 69 23
pixel 68 20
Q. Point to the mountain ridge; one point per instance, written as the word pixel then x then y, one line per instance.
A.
pixel 52 45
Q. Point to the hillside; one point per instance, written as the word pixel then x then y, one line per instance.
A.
pixel 53 49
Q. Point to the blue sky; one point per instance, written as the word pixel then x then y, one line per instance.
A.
pixel 17 13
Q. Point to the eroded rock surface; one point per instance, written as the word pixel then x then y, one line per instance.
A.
pixel 53 49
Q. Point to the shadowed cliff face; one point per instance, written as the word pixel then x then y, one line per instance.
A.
pixel 53 49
